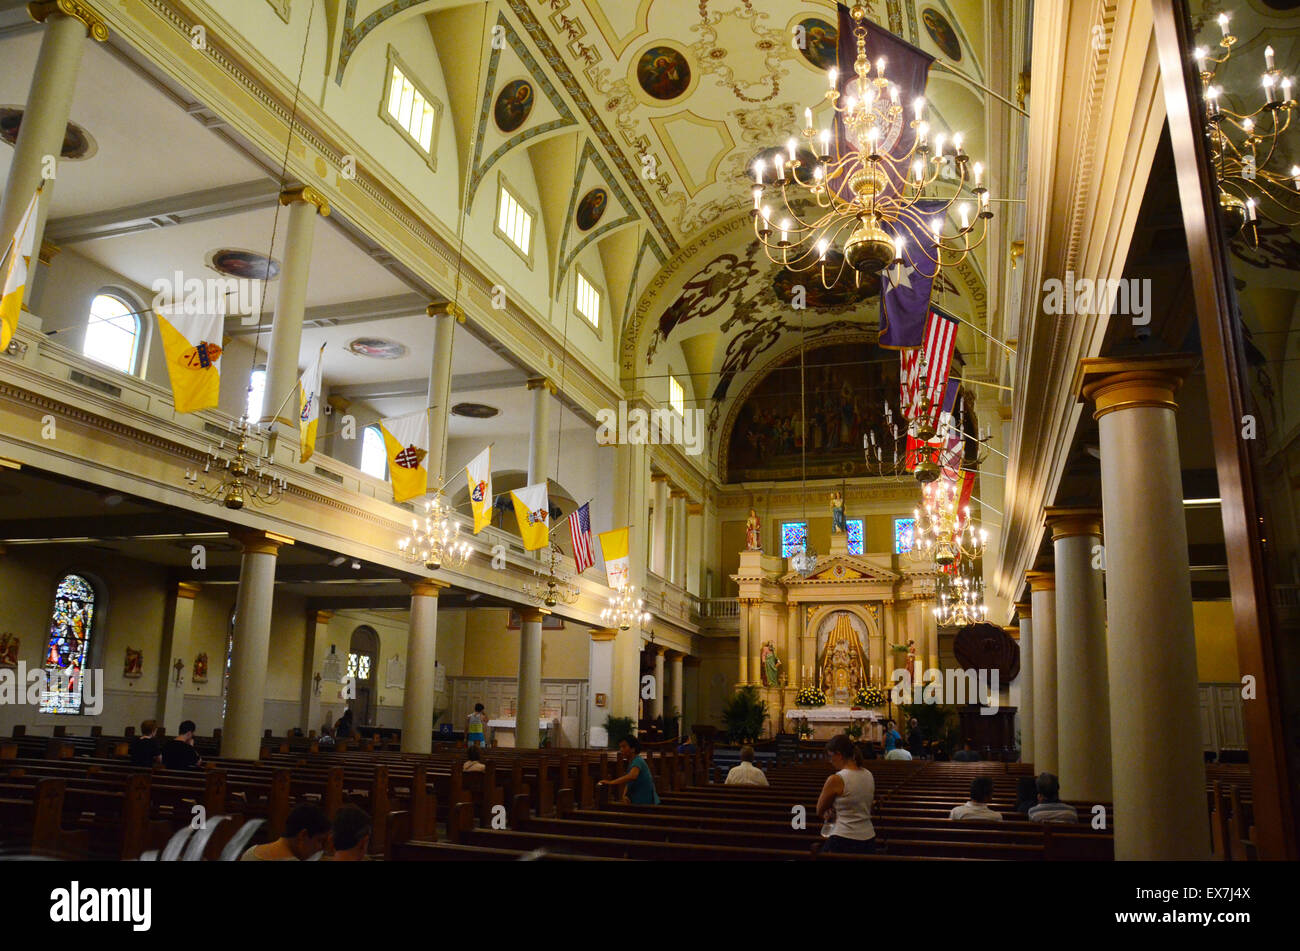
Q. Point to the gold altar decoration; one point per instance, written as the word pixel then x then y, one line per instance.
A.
pixel 843 669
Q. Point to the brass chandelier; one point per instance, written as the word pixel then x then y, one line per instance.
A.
pixel 942 535
pixel 959 596
pixel 435 541
pixel 242 475
pixel 882 208
pixel 625 609
pixel 1244 146
pixel 553 587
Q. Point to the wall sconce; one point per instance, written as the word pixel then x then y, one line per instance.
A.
pixel 179 667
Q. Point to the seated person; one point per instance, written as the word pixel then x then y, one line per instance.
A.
pixel 898 753
pixel 745 773
pixel 179 752
pixel 1050 808
pixel 688 745
pixel 326 741
pixel 146 749
pixel 473 764
pixel 966 754
pixel 350 835
pixel 1026 794
pixel 981 791
pixel 305 832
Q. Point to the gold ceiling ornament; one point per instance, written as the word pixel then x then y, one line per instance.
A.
pixel 884 209
pixel 554 586
pixel 240 474
pixel 942 534
pixel 435 540
pixel 1244 145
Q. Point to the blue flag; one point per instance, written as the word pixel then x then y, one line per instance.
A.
pixel 905 289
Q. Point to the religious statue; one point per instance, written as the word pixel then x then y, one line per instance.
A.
pixel 911 657
pixel 134 666
pixel 200 675
pixel 752 526
pixel 9 650
pixel 843 668
pixel 769 665
pixel 838 524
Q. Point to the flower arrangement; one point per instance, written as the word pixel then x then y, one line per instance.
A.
pixel 802 729
pixel 869 696
pixel 810 697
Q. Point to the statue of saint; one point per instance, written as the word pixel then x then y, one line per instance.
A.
pixel 770 665
pixel 838 524
pixel 752 526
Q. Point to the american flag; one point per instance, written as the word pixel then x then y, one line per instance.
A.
pixel 580 533
pixel 935 354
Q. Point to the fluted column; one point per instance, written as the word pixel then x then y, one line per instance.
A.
pixel 445 317
pixel 657 701
pixel 1026 681
pixel 659 527
pixel 49 105
pixel 675 684
pixel 421 651
pixel 1158 770
pixel 318 626
pixel 280 400
pixel 175 646
pixel 1082 689
pixel 528 706
pixel 679 537
pixel 241 733
pixel 1042 585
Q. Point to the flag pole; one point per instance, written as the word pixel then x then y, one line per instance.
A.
pixel 297 382
pixel 447 479
pixel 567 517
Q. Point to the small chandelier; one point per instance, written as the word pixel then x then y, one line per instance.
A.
pixel 625 609
pixel 242 476
pixel 553 587
pixel 1244 145
pixel 959 595
pixel 886 456
pixel 942 534
pixel 889 206
pixel 435 542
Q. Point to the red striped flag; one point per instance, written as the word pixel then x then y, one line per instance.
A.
pixel 935 357
pixel 580 534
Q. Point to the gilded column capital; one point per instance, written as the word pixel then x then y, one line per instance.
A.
pixel 1013 631
pixel 540 383
pixel 340 403
pixel 188 590
pixel 533 615
pixel 446 308
pixel 1068 522
pixel 1022 608
pixel 426 587
pixel 658 477
pixel 694 508
pixel 321 617
pixel 604 633
pixel 96 28
pixel 1115 384
pixel 49 251
pixel 676 493
pixel 259 542
pixel 307 194
pixel 1041 580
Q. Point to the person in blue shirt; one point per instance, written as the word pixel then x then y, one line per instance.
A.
pixel 892 736
pixel 640 784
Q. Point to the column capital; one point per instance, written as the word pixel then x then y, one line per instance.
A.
pixel 675 493
pixel 49 251
pixel 604 633
pixel 259 542
pixel 446 308
pixel 541 382
pixel 426 587
pixel 660 650
pixel 1023 609
pixel 659 477
pixel 1013 631
pixel 531 614
pixel 96 28
pixel 188 590
pixel 307 194
pixel 340 403
pixel 1041 580
pixel 1114 384
pixel 321 617
pixel 1068 522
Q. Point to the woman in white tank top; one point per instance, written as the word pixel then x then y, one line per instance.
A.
pixel 845 800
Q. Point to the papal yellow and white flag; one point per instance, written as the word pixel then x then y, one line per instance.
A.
pixel 192 348
pixel 17 263
pixel 479 473
pixel 533 510
pixel 613 548
pixel 309 407
pixel 406 442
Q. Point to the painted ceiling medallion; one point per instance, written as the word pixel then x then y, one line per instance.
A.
pixel 514 105
pixel 247 265
pixel 663 73
pixel 77 142
pixel 819 42
pixel 377 348
pixel 941 31
pixel 475 410
pixel 591 208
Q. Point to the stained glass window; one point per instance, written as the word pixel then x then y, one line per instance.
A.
pixel 854 525
pixel 71 627
pixel 359 666
pixel 225 680
pixel 904 534
pixel 794 535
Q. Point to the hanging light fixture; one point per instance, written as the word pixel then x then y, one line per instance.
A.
pixel 941 533
pixel 435 540
pixel 959 596
pixel 554 586
pixel 625 610
pixel 242 475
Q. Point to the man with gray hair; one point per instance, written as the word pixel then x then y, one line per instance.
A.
pixel 745 773
pixel 1050 808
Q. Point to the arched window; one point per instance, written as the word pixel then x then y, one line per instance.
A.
pixel 112 333
pixel 256 393
pixel 374 457
pixel 72 624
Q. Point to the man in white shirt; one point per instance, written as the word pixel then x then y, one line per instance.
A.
pixel 981 791
pixel 746 773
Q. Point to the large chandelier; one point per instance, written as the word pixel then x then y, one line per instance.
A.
pixel 941 533
pixel 881 208
pixel 959 596
pixel 241 474
pixel 553 587
pixel 625 609
pixel 1244 145
pixel 435 541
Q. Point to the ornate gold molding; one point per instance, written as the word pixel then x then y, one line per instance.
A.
pixel 603 633
pixel 1041 580
pixel 448 308
pixel 257 542
pixel 321 617
pixel 531 615
pixel 307 194
pixel 541 382
pixel 426 587
pixel 1115 384
pixel 96 28
pixel 1023 608
pixel 188 590
pixel 1069 522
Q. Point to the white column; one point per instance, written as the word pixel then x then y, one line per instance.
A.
pixel 659 531
pixel 280 399
pixel 675 686
pixel 1082 688
pixel 49 105
pixel 1158 769
pixel 657 701
pixel 445 316
pixel 1043 598
pixel 421 651
pixel 241 733
pixel 600 682
pixel 539 436
pixel 175 646
pixel 1026 682
pixel 318 626
pixel 528 707
pixel 679 537
pixel 694 549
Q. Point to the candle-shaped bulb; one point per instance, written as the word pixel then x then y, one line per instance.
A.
pixel 918 107
pixel 785 229
pixel 791 146
pixel 832 74
pixel 1200 53
pixel 851 104
pixel 1286 88
pixel 1268 87
pixel 826 141
pixel 1223 23
pixel 956 143
pixel 1295 175
pixel 880 67
pixel 873 135
pixel 978 170
pixel 984 200
pixel 939 141
pixel 898 248
pixel 758 195
pixel 964 211
pixel 1248 125
pixel 893 94
pixel 936 226
pixel 807 118
pixel 1250 209
pixel 918 169
pixel 1268 58
pixel 818 174
pixel 822 245
pixel 758 170
pixel 767 217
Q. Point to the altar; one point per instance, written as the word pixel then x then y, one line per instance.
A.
pixel 502 731
pixel 828 721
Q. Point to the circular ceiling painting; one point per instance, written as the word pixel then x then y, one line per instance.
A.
pixel 819 42
pixel 817 297
pixel 514 104
pixel 663 72
pixel 77 143
pixel 941 31
pixel 474 410
pixel 248 265
pixel 592 208
pixel 377 348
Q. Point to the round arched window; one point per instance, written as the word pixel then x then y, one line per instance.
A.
pixel 112 333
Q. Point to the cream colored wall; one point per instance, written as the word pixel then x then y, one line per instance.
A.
pixel 1216 642
pixel 493 651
